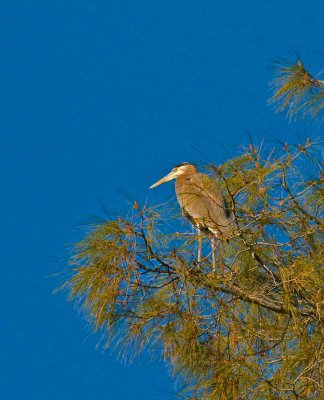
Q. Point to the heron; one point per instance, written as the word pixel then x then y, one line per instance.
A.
pixel 201 202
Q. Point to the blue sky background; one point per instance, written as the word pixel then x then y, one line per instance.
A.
pixel 102 96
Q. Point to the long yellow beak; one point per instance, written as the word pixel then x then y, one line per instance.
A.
pixel 167 178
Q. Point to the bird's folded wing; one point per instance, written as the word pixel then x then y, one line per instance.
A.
pixel 203 201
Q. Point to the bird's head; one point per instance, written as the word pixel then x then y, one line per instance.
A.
pixel 180 169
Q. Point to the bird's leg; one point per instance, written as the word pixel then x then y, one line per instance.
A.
pixel 213 248
pixel 199 240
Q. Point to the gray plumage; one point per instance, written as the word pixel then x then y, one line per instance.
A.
pixel 200 201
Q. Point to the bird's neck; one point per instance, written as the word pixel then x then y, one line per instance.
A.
pixel 180 181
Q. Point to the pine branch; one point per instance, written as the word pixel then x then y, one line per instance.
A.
pixel 297 91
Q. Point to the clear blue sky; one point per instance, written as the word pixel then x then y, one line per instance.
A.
pixel 97 96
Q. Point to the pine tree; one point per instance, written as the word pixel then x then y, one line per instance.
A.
pixel 253 329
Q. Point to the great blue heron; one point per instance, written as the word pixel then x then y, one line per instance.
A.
pixel 201 202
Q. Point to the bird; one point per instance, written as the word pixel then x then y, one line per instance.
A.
pixel 201 202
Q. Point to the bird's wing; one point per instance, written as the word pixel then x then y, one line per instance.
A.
pixel 203 201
